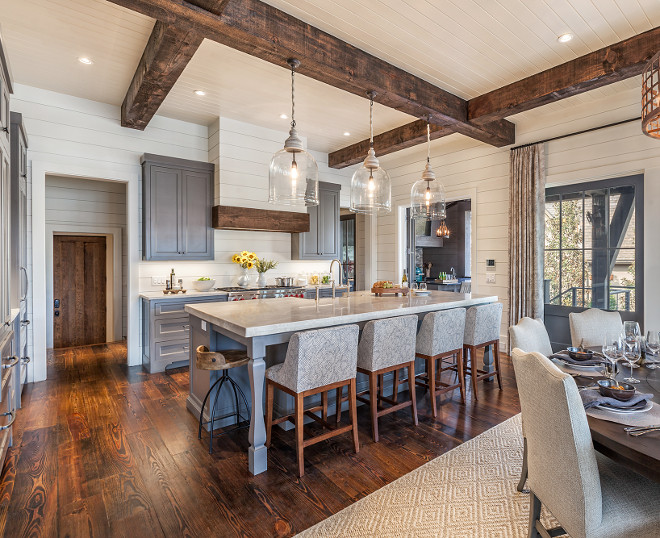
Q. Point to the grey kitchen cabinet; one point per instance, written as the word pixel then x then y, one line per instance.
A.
pixel 166 330
pixel 177 200
pixel 323 241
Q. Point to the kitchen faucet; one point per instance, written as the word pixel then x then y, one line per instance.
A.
pixel 334 286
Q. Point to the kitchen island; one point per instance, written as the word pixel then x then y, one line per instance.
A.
pixel 259 325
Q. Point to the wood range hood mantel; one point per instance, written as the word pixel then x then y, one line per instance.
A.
pixel 259 220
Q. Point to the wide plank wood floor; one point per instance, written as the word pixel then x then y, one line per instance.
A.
pixel 101 449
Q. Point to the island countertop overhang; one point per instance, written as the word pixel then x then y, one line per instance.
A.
pixel 261 318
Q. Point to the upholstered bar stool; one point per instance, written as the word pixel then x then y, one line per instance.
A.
pixel 440 344
pixel 482 328
pixel 316 362
pixel 387 345
pixel 221 361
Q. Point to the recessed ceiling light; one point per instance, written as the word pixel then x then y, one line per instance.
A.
pixel 201 93
pixel 85 60
pixel 347 133
pixel 283 116
pixel 565 38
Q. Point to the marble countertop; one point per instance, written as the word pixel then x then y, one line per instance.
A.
pixel 151 295
pixel 265 317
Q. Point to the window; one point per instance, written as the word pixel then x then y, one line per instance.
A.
pixel 594 245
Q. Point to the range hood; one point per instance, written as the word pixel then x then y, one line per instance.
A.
pixel 260 220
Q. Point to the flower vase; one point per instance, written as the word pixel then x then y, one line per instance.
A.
pixel 244 279
pixel 261 281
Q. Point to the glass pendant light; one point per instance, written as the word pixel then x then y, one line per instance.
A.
pixel 371 189
pixel 442 230
pixel 427 197
pixel 293 176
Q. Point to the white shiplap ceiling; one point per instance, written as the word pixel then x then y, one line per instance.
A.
pixel 468 47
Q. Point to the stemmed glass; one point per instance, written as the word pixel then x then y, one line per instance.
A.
pixel 631 336
pixel 632 354
pixel 611 351
pixel 652 345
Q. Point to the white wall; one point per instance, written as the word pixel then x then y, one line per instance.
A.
pixel 463 165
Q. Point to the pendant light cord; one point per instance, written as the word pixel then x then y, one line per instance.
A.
pixel 371 122
pixel 428 140
pixel 293 97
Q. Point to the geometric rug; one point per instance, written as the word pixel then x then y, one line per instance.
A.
pixel 468 492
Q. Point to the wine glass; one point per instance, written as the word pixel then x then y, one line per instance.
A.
pixel 422 286
pixel 611 349
pixel 631 334
pixel 653 346
pixel 632 354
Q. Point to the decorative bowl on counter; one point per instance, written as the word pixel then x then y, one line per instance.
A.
pixel 203 285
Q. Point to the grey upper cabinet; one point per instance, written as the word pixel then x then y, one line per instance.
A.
pixel 177 202
pixel 322 242
pixel 18 159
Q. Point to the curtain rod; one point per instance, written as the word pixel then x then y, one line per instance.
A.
pixel 638 118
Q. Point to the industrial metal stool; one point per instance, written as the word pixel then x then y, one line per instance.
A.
pixel 224 361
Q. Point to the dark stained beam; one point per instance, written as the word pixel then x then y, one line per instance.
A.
pixel 261 30
pixel 605 66
pixel 226 217
pixel 166 55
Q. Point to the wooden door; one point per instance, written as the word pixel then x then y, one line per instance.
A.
pixel 79 290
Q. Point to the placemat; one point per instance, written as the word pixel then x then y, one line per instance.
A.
pixel 648 418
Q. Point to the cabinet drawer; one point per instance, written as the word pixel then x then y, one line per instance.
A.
pixel 171 329
pixel 169 310
pixel 173 351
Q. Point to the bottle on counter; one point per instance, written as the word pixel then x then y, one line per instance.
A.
pixel 172 279
pixel 404 280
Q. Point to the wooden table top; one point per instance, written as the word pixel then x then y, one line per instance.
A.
pixel 641 454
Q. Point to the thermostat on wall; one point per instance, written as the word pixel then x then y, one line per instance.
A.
pixel 490 265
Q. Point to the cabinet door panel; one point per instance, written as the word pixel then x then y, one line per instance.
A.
pixel 165 215
pixel 310 240
pixel 329 223
pixel 196 216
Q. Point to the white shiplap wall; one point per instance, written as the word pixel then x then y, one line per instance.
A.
pixel 74 202
pixel 465 165
pixel 242 154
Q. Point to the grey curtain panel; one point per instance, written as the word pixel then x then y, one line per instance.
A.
pixel 526 232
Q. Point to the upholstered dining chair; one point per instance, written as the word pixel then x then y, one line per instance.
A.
pixel 482 328
pixel 591 327
pixel 387 345
pixel 528 335
pixel 316 361
pixel 440 344
pixel 590 495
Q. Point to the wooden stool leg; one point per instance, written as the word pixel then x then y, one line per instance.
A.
pixel 461 373
pixel 473 372
pixel 339 393
pixel 496 352
pixel 299 433
pixel 270 393
pixel 324 405
pixel 411 386
pixel 373 404
pixel 395 386
pixel 381 383
pixel 352 407
pixel 430 369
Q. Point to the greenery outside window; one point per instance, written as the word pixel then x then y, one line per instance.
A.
pixel 593 245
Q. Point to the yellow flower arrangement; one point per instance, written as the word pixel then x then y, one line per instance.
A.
pixel 245 259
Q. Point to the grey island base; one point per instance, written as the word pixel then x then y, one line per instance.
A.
pixel 261 326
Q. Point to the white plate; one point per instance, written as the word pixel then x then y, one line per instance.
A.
pixel 648 406
pixel 422 293
pixel 577 366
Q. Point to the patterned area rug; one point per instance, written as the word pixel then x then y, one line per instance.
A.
pixel 467 492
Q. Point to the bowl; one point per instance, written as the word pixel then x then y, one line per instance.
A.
pixel 203 285
pixel 580 354
pixel 607 388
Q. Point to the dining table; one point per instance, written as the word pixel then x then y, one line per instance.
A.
pixel 642 453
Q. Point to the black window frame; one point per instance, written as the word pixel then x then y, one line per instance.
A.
pixel 636 181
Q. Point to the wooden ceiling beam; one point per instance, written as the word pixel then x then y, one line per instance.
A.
pixel 605 66
pixel 594 70
pixel 265 32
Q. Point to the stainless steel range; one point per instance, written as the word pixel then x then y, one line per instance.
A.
pixel 267 292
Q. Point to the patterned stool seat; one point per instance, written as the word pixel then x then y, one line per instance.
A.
pixel 482 329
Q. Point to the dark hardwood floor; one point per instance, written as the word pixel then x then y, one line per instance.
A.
pixel 101 449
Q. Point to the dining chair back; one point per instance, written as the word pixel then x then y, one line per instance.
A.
pixel 591 327
pixel 530 335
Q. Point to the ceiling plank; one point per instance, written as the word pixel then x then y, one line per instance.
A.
pixel 261 30
pixel 594 70
pixel 166 55
pixel 605 66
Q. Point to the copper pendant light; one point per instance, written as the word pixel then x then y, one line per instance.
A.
pixel 651 98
